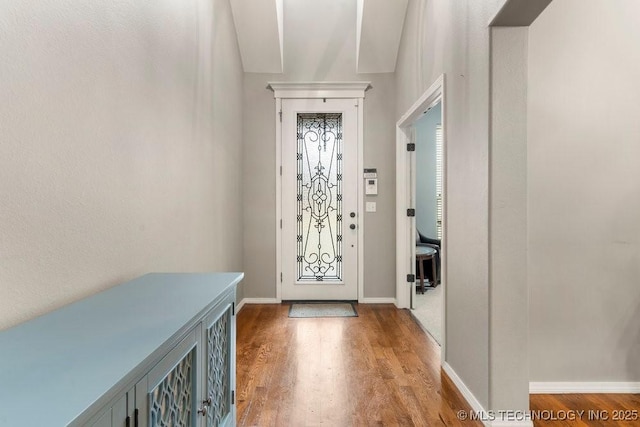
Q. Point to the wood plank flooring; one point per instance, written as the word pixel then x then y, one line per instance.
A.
pixel 378 369
pixel 592 410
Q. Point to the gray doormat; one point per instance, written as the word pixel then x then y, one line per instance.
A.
pixel 322 309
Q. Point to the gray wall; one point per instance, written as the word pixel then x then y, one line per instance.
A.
pixel 577 228
pixel 319 52
pixel 260 185
pixel 441 36
pixel 121 146
pixel 508 291
pixel 583 192
pixel 426 172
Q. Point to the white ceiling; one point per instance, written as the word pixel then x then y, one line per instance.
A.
pixel 259 28
pixel 311 38
pixel 380 25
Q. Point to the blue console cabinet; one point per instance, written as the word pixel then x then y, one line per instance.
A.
pixel 156 351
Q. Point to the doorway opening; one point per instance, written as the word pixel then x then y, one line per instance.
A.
pixel 320 199
pixel 421 211
pixel 426 304
pixel 319 196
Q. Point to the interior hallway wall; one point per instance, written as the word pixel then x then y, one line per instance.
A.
pixel 321 55
pixel 121 146
pixel 448 37
pixel 260 185
pixel 584 192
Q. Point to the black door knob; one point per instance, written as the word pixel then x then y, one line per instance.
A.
pixel 352 226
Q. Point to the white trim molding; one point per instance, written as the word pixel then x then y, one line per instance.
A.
pixel 429 98
pixel 462 388
pixel 360 191
pixel 405 195
pixel 378 301
pixel 404 225
pixel 319 90
pixel 489 418
pixel 256 301
pixel 277 118
pixel 311 90
pixel 583 387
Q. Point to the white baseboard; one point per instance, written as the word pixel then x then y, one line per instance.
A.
pixel 256 301
pixel 464 390
pixel 377 301
pixel 583 387
pixel 477 407
pixel 462 387
pixel 276 301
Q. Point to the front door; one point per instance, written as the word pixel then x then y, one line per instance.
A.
pixel 319 199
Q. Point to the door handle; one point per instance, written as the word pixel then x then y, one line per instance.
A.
pixel 352 226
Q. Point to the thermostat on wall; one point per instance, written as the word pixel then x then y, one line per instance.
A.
pixel 371 182
pixel 371 173
pixel 371 188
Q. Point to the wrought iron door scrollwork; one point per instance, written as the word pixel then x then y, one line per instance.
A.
pixel 319 197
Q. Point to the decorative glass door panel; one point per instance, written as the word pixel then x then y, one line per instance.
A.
pixel 218 369
pixel 171 402
pixel 319 197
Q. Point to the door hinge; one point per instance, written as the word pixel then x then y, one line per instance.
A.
pixel 411 146
pixel 280 170
pixel 280 223
pixel 233 397
pixel 411 278
pixel 280 113
pixel 411 212
pixel 233 308
pixel 280 277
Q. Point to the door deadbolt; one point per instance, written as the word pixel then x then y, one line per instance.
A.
pixel 352 214
pixel 352 226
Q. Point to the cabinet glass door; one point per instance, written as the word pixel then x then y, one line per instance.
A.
pixel 173 383
pixel 218 358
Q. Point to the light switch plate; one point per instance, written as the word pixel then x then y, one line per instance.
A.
pixel 371 206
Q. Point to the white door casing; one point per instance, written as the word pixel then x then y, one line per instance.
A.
pixel 405 198
pixel 320 215
pixel 353 91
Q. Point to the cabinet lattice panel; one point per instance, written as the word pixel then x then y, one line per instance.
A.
pixel 171 402
pixel 218 369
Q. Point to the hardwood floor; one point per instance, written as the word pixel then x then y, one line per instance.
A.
pixel 376 369
pixel 597 410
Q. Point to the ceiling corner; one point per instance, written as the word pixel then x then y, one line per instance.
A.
pixel 379 31
pixel 519 13
pixel 259 29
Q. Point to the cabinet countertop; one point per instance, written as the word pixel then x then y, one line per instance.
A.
pixel 56 366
